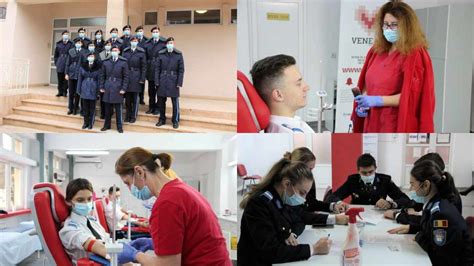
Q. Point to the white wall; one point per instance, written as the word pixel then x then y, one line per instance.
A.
pixel 390 159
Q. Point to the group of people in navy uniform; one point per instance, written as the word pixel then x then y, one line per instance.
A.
pixel 114 71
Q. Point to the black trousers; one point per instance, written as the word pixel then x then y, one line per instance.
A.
pixel 162 105
pixel 109 107
pixel 74 98
pixel 131 104
pixel 152 101
pixel 102 107
pixel 142 93
pixel 62 84
pixel 88 107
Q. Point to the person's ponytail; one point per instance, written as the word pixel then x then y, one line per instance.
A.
pixel 446 187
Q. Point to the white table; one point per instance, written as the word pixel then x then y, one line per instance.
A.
pixel 379 247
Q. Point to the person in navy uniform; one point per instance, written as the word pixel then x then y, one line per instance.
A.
pixel 169 75
pixel 83 37
pixel 88 88
pixel 153 47
pixel 114 84
pixel 76 56
pixel 142 39
pixel 268 229
pixel 370 188
pixel 443 232
pixel 105 54
pixel 60 57
pixel 114 39
pixel 93 49
pixel 136 58
pixel 126 37
pixel 99 41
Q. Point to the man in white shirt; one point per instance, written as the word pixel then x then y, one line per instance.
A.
pixel 120 215
pixel 280 84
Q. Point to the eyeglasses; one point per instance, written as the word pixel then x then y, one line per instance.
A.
pixel 392 26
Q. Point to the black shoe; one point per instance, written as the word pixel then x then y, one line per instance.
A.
pixel 74 112
pixel 175 125
pixel 126 120
pixel 132 121
pixel 160 123
pixel 58 95
pixel 149 111
pixel 120 130
pixel 85 126
pixel 142 102
pixel 90 127
pixel 102 117
pixel 104 129
pixel 69 112
pixel 156 112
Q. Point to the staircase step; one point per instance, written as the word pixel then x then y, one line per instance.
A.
pixel 190 121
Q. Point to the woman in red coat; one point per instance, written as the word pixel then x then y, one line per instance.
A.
pixel 397 78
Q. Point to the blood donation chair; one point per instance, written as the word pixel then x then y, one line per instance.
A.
pixel 242 173
pixel 49 212
pixel 253 115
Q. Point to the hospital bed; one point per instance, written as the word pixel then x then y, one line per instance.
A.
pixel 16 244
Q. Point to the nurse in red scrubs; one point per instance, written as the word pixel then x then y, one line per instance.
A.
pixel 183 227
pixel 397 78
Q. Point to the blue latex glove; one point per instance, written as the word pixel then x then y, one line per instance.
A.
pixel 369 101
pixel 361 111
pixel 129 254
pixel 143 244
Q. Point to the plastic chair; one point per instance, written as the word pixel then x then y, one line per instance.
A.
pixel 242 173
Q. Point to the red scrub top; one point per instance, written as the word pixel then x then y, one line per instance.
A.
pixel 182 221
pixel 411 76
pixel 384 78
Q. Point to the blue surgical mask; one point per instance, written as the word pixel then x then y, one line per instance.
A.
pixel 170 46
pixel 90 59
pixel 155 35
pixel 141 194
pixel 118 201
pixel 114 54
pixel 98 36
pixel 91 49
pixel 134 44
pixel 127 32
pixel 412 195
pixel 391 35
pixel 65 37
pixel 78 45
pixel 368 179
pixel 140 34
pixel 82 208
pixel 82 35
pixel 294 200
pixel 108 47
pixel 114 35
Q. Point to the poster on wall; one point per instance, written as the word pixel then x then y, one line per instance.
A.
pixel 356 36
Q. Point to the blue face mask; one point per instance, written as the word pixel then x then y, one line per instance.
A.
pixel 141 194
pixel 170 46
pixel 114 35
pixel 134 44
pixel 65 37
pixel 140 34
pixel 98 36
pixel 114 54
pixel 155 35
pixel 412 195
pixel 78 45
pixel 90 59
pixel 91 49
pixel 294 200
pixel 391 35
pixel 127 32
pixel 82 208
pixel 368 179
pixel 108 47
pixel 82 35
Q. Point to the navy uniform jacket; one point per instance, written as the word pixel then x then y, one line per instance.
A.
pixel 88 82
pixel 312 204
pixel 85 42
pixel 266 224
pixel 118 42
pixel 125 41
pixel 152 53
pixel 113 79
pixel 364 194
pixel 60 55
pixel 74 61
pixel 443 234
pixel 99 46
pixel 137 66
pixel 103 55
pixel 142 42
pixel 169 73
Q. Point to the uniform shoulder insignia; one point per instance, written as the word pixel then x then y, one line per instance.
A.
pixel 72 224
pixel 140 49
pixel 440 224
pixel 92 218
pixel 123 58
pixel 163 39
pixel 435 208
pixel 126 49
pixel 177 51
pixel 162 51
pixel 267 196
pixel 439 237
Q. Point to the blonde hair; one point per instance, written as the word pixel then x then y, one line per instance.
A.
pixel 301 154
pixel 411 35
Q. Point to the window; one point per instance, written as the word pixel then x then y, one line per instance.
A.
pixel 7 142
pixel 60 23
pixel 16 193
pixel 207 16
pixel 12 187
pixel 18 146
pixel 87 22
pixel 3 192
pixel 233 16
pixel 3 12
pixel 151 18
pixel 178 17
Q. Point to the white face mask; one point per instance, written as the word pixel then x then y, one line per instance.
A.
pixel 368 179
